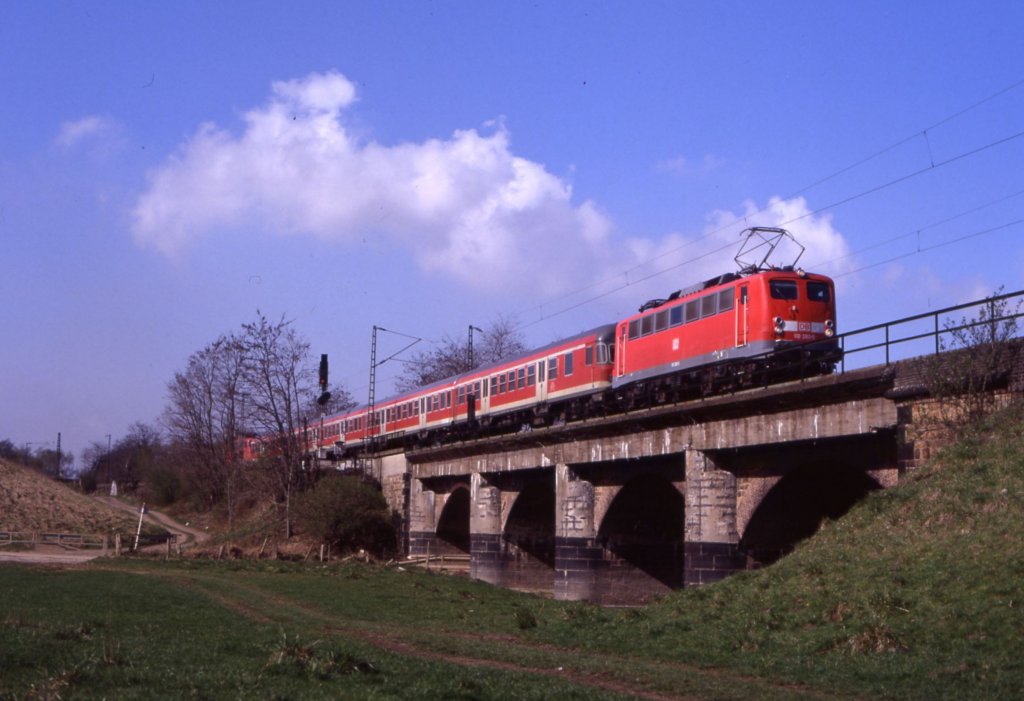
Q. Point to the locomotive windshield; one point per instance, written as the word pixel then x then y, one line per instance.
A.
pixel 818 292
pixel 783 289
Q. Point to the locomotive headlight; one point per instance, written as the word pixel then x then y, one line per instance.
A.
pixel 830 328
pixel 780 326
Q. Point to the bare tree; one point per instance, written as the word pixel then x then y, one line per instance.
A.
pixel 280 382
pixel 205 417
pixel 340 400
pixel 502 339
pixel 260 382
pixel 498 341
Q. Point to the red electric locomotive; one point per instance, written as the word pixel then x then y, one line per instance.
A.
pixel 758 316
pixel 761 323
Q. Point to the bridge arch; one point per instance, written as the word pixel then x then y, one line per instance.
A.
pixel 643 531
pixel 795 507
pixel 453 523
pixel 529 537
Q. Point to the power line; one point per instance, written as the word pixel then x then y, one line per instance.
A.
pixel 864 193
pixel 917 232
pixel 932 165
pixel 942 244
pixel 908 176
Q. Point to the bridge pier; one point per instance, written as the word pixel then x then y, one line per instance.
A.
pixel 485 550
pixel 579 559
pixel 422 520
pixel 712 543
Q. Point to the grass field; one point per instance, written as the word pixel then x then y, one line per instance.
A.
pixel 916 594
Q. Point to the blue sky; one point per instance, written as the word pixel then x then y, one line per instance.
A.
pixel 166 169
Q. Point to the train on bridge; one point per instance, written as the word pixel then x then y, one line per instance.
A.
pixel 760 325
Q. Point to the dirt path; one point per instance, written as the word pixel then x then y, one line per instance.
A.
pixel 641 678
pixel 186 533
pixel 56 555
pixel 50 555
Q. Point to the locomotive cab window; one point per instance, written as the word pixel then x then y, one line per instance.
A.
pixel 783 289
pixel 634 329
pixel 725 300
pixel 818 292
pixel 646 325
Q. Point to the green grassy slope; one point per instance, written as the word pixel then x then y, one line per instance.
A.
pixel 918 592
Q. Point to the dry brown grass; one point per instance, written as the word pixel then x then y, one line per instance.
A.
pixel 30 501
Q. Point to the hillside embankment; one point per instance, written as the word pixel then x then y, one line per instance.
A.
pixel 34 503
pixel 30 501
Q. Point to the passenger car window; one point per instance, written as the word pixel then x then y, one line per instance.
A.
pixel 568 364
pixel 783 289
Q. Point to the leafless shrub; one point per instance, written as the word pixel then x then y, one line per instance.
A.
pixel 975 360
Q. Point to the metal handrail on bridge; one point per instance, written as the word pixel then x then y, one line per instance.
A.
pixel 989 305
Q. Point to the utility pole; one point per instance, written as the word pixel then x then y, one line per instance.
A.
pixel 371 423
pixel 469 352
pixel 58 455
pixel 106 459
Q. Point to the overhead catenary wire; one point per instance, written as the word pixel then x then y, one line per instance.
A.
pixel 872 190
pixel 917 134
pixel 942 244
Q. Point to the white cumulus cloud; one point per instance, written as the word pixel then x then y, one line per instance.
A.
pixel 682 259
pixel 74 132
pixel 465 206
